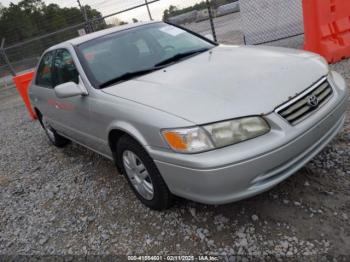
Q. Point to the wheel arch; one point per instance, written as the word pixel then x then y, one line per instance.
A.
pixel 117 131
pixel 39 114
pixel 37 111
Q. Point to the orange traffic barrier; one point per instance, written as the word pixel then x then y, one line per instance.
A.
pixel 327 28
pixel 22 84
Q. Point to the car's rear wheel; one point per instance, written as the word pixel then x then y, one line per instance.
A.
pixel 54 137
pixel 142 174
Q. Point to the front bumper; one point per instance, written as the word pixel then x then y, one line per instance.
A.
pixel 246 169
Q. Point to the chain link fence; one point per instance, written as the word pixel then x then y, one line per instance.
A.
pixel 24 56
pixel 223 20
pixel 225 25
pixel 269 20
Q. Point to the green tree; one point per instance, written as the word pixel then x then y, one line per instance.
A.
pixel 1 9
pixel 169 12
pixel 33 18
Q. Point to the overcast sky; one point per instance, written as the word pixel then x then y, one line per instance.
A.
pixel 110 6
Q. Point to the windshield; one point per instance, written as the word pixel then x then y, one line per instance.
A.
pixel 130 53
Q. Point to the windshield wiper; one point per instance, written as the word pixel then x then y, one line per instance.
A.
pixel 160 65
pixel 128 76
pixel 179 56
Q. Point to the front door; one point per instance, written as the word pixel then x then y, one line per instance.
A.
pixel 72 114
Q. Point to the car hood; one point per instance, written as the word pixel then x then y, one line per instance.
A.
pixel 226 82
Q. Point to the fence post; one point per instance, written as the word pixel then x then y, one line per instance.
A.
pixel 211 20
pixel 149 11
pixel 6 59
pixel 88 25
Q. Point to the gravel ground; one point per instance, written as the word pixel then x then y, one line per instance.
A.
pixel 72 201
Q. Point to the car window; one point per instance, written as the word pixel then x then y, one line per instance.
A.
pixel 112 57
pixel 133 50
pixel 44 74
pixel 64 69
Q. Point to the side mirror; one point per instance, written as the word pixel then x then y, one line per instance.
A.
pixel 68 89
pixel 210 37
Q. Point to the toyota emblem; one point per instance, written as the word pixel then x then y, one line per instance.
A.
pixel 312 101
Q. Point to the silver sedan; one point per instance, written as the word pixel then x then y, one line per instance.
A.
pixel 182 115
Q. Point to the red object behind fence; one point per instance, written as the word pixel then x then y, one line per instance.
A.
pixel 22 83
pixel 327 28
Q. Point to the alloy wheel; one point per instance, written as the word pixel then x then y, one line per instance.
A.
pixel 138 175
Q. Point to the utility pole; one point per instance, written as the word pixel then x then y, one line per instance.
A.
pixel 88 26
pixel 149 11
pixel 7 61
pixel 211 20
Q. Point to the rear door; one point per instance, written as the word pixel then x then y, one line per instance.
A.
pixel 41 92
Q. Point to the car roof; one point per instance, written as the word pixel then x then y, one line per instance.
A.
pixel 82 39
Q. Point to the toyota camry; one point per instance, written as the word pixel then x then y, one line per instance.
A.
pixel 181 115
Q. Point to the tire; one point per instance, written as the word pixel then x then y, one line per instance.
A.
pixel 142 174
pixel 54 138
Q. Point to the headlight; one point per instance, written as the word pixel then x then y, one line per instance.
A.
pixel 207 137
pixel 188 140
pixel 237 130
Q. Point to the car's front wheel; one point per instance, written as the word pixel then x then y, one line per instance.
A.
pixel 54 137
pixel 142 174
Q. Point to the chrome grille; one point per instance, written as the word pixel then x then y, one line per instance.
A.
pixel 301 106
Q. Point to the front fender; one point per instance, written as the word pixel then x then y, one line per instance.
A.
pixel 129 129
